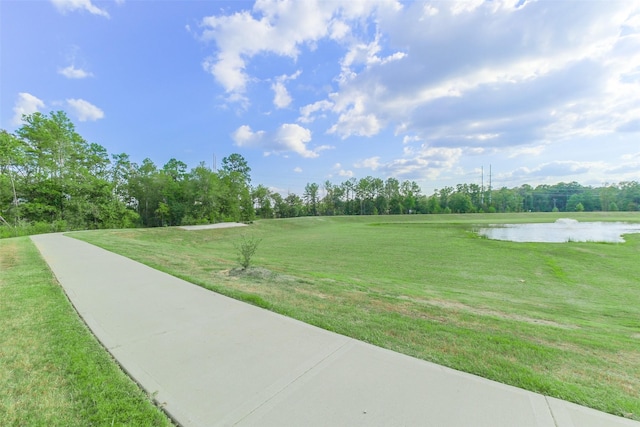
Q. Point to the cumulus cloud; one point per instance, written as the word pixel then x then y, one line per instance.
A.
pixel 275 27
pixel 289 137
pixel 341 172
pixel 65 6
pixel 557 170
pixel 293 137
pixel 245 137
pixel 84 110
pixel 26 104
pixel 422 163
pixel 461 78
pixel 526 151
pixel 354 120
pixel 71 72
pixel 371 163
pixel 306 112
pixel 282 99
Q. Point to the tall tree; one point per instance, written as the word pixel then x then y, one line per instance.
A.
pixel 262 201
pixel 12 158
pixel 65 178
pixel 311 198
pixel 203 195
pixel 235 178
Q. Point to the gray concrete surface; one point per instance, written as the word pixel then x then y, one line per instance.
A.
pixel 212 361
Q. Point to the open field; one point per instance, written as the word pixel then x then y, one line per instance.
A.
pixel 53 372
pixel 559 319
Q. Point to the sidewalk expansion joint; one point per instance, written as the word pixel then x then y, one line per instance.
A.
pixel 553 416
pixel 349 341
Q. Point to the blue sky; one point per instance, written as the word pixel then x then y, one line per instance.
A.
pixel 309 91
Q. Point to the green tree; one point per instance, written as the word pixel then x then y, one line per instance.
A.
pixel 460 203
pixel 65 179
pixel 311 198
pixel 173 187
pixel 12 157
pixel 235 178
pixel 262 201
pixel 410 192
pixel 294 206
pixel 145 191
pixel 203 196
pixel 392 193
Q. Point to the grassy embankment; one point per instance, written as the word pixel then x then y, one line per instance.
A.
pixel 558 319
pixel 53 372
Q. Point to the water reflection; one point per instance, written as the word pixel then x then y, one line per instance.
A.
pixel 561 231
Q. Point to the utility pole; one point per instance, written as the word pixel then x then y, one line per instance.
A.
pixel 482 186
pixel 214 162
pixel 489 184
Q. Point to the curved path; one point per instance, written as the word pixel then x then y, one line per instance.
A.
pixel 213 361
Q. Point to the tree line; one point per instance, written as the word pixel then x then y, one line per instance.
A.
pixel 51 179
pixel 373 196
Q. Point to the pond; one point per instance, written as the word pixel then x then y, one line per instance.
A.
pixel 562 231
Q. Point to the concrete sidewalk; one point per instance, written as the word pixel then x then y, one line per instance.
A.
pixel 210 360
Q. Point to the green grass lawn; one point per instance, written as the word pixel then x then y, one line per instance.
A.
pixel 558 319
pixel 53 372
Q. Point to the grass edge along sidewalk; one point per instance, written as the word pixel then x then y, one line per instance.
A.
pixel 52 369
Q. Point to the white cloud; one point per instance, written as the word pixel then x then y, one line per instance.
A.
pixel 279 30
pixel 84 110
pixel 288 137
pixel 342 172
pixel 527 151
pixel 297 169
pixel 365 54
pixel 275 27
pixel 245 137
pixel 282 99
pixel 307 111
pixel 423 163
pixel 26 104
pixel 372 163
pixel 65 6
pixel 502 78
pixel 553 171
pixel 71 72
pixel 458 7
pixel 293 137
pixel 354 120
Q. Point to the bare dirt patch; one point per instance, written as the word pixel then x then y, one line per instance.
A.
pixel 8 256
pixel 487 312
pixel 260 274
pixel 210 226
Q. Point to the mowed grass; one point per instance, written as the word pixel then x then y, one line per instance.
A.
pixel 52 370
pixel 559 319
